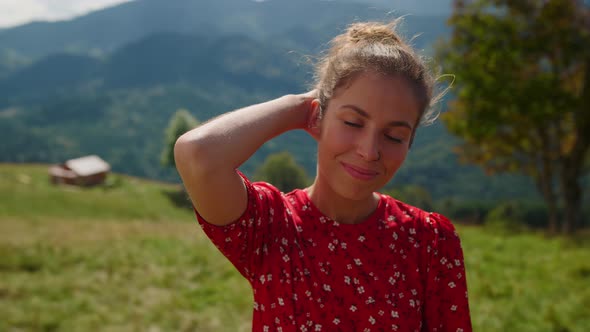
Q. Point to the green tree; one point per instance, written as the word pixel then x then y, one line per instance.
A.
pixel 523 100
pixel 281 170
pixel 181 122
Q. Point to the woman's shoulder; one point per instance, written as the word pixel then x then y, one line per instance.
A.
pixel 432 222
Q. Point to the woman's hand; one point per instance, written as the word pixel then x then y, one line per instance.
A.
pixel 308 105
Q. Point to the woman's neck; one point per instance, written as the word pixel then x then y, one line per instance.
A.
pixel 341 209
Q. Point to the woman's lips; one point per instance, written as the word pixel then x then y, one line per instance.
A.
pixel 360 173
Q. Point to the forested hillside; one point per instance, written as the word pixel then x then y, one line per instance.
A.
pixel 108 82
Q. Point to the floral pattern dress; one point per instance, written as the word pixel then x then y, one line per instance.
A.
pixel 400 270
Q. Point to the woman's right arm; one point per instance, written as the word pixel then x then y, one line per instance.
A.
pixel 207 157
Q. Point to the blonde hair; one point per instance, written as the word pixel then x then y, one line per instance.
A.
pixel 373 47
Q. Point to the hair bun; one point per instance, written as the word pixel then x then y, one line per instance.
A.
pixel 372 33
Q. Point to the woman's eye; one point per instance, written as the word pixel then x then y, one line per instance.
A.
pixel 352 124
pixel 394 139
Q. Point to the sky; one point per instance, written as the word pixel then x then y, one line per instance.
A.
pixel 17 12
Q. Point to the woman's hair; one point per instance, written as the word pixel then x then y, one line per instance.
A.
pixel 373 47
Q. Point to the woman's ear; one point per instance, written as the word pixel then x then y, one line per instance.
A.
pixel 315 119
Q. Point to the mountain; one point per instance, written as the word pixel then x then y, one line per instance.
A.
pixel 103 31
pixel 413 7
pixel 135 64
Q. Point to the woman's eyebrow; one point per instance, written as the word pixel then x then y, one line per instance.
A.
pixel 364 114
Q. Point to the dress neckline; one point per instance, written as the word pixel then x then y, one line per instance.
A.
pixel 370 220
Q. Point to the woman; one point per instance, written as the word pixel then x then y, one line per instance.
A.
pixel 336 256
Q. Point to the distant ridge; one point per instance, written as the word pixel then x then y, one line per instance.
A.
pixel 105 30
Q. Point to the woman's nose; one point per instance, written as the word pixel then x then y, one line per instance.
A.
pixel 368 147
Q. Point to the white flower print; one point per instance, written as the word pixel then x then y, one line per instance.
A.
pixel 394 314
pixel 372 320
pixel 361 238
pixel 353 308
pixel 358 262
pixel 336 321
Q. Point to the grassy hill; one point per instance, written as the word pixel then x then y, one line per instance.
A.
pixel 128 256
pixel 26 193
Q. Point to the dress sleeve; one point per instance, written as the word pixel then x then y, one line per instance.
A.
pixel 245 241
pixel 446 303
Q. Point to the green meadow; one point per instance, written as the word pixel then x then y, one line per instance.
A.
pixel 129 256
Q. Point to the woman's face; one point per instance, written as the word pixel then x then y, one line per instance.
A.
pixel 365 135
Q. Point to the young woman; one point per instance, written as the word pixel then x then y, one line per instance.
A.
pixel 336 256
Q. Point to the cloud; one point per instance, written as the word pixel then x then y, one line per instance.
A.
pixel 16 12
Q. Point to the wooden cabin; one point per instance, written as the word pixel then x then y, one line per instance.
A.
pixel 84 171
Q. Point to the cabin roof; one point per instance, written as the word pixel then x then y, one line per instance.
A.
pixel 88 165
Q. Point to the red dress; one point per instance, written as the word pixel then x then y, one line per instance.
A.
pixel 399 270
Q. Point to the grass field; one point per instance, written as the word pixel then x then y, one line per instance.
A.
pixel 129 257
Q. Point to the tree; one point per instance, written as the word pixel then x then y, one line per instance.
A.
pixel 522 69
pixel 181 122
pixel 282 171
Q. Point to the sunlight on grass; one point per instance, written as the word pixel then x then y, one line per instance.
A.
pixel 132 276
pixel 526 282
pixel 130 258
